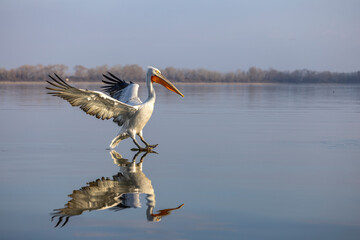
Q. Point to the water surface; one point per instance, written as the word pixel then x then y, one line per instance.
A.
pixel 270 161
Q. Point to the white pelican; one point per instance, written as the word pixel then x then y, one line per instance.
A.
pixel 123 104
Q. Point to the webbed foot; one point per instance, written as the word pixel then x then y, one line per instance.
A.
pixel 148 149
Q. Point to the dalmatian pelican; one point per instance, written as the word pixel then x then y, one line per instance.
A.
pixel 123 104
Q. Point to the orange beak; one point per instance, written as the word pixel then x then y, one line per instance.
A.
pixel 158 78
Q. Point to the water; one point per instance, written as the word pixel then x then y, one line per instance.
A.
pixel 247 161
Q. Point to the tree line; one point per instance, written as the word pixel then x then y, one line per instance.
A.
pixel 135 73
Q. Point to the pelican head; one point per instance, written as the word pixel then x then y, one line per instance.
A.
pixel 157 77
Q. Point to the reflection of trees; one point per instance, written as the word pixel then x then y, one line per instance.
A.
pixel 120 192
pixel 136 74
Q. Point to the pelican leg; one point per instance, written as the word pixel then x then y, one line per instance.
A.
pixel 136 143
pixel 141 149
pixel 147 145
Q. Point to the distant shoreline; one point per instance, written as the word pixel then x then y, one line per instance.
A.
pixel 101 83
pixel 134 73
pixel 177 83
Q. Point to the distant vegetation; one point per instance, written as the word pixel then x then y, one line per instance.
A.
pixel 136 74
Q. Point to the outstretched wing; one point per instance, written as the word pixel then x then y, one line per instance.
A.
pixel 121 90
pixel 94 103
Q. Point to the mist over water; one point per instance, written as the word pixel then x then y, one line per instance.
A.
pixel 273 161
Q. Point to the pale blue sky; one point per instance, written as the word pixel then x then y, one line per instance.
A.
pixel 217 35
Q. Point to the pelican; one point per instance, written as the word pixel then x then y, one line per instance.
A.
pixel 123 104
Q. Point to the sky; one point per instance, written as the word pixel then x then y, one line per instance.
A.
pixel 226 35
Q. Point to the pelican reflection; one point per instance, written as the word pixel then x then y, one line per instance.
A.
pixel 121 192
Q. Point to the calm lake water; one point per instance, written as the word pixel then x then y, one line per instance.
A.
pixel 247 161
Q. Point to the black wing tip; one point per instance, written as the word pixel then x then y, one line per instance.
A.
pixel 113 84
pixel 59 81
pixel 114 79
